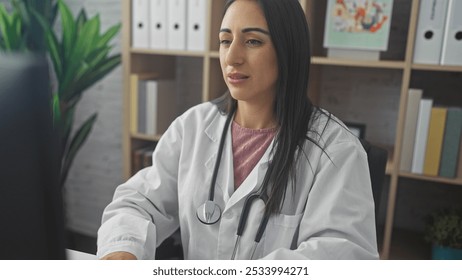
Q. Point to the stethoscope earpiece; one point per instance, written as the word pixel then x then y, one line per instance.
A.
pixel 208 213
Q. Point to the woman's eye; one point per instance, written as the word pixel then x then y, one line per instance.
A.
pixel 225 42
pixel 254 43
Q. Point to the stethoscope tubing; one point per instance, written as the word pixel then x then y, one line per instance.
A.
pixel 210 212
pixel 220 152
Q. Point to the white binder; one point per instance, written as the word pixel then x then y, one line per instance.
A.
pixel 430 31
pixel 158 25
pixel 410 126
pixel 196 25
pixel 421 135
pixel 452 43
pixel 176 37
pixel 140 23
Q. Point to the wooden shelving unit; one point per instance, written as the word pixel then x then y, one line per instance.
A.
pixel 398 60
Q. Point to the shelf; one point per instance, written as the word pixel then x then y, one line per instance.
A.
pixel 167 52
pixel 431 67
pixel 357 63
pixel 455 181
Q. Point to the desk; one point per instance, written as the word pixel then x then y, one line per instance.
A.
pixel 77 255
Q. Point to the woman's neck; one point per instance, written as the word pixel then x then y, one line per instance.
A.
pixel 255 117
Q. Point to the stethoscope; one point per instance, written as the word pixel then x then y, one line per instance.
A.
pixel 210 212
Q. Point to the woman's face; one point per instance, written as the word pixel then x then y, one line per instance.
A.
pixel 247 55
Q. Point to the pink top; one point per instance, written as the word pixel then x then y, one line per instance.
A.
pixel 249 145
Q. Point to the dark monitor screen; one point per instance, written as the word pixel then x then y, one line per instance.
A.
pixel 31 211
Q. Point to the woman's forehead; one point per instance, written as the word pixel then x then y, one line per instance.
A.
pixel 242 13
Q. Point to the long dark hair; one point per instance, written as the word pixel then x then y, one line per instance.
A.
pixel 290 36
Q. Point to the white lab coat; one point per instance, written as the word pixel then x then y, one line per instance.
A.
pixel 330 215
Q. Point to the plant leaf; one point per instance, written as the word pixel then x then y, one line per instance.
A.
pixel 2 23
pixel 55 105
pixel 108 35
pixel 82 47
pixel 54 48
pixel 5 28
pixel 81 19
pixel 99 72
pixel 91 61
pixel 68 28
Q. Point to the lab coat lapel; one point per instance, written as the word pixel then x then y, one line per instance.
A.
pixel 253 181
pixel 225 177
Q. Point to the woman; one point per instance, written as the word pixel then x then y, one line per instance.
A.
pixel 303 169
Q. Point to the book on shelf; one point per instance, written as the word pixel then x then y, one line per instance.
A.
pixel 420 145
pixel 451 144
pixel 434 141
pixel 147 157
pixel 357 25
pixel 134 95
pixel 142 99
pixel 138 89
pixel 410 127
pixel 142 157
pixel 459 164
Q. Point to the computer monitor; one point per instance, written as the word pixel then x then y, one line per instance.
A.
pixel 31 211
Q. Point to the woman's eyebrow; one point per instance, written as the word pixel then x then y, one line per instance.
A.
pixel 255 29
pixel 248 29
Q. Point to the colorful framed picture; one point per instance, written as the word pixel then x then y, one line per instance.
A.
pixel 358 24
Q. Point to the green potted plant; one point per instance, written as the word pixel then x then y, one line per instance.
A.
pixel 444 231
pixel 81 56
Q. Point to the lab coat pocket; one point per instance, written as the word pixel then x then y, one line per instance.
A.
pixel 280 231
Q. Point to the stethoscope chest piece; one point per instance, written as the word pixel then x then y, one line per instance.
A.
pixel 208 213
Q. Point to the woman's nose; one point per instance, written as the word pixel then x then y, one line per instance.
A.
pixel 234 55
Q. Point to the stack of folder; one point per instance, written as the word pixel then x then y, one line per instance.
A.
pixel 432 138
pixel 439 33
pixel 169 25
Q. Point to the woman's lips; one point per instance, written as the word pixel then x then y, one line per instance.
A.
pixel 237 78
